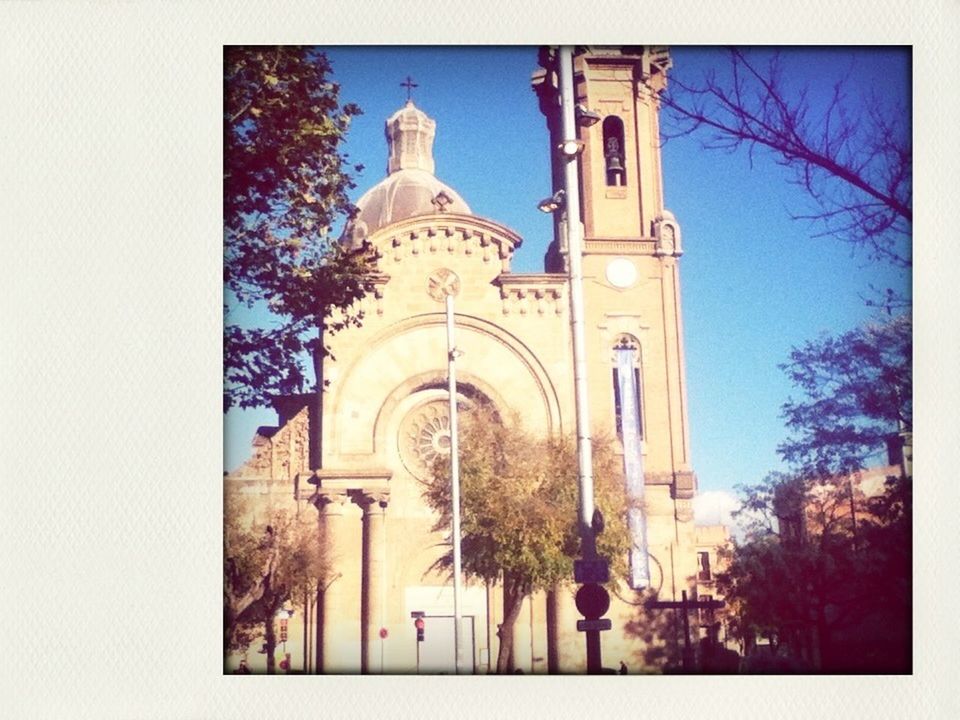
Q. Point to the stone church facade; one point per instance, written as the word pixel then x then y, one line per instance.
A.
pixel 357 461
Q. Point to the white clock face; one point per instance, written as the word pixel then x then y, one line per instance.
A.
pixel 621 273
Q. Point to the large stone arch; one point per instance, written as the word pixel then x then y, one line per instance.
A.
pixel 411 354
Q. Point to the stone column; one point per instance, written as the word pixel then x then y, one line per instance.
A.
pixel 331 611
pixel 372 610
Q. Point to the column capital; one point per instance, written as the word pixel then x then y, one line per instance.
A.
pixel 372 500
pixel 330 502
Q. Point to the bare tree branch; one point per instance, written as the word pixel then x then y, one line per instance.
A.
pixel 855 166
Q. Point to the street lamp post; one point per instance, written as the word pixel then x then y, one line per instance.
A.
pixel 444 285
pixel 452 354
pixel 592 598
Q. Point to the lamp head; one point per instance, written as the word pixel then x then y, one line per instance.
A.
pixel 586 118
pixel 552 203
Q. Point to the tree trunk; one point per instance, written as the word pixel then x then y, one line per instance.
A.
pixel 316 412
pixel 512 602
pixel 824 654
pixel 271 641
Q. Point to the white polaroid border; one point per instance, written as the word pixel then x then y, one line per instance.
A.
pixel 110 359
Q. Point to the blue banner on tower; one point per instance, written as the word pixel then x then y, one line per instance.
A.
pixel 633 467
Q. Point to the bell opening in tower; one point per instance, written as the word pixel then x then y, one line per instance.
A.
pixel 613 151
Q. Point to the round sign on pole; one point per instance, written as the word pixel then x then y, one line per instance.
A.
pixel 592 601
pixel 383 633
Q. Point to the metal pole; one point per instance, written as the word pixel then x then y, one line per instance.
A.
pixel 383 593
pixel 574 254
pixel 454 479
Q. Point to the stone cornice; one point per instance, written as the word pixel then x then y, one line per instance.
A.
pixel 342 484
pixel 620 246
pixel 531 293
pixel 446 232
pixel 531 279
pixel 348 478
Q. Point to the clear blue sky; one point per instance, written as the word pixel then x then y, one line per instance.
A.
pixel 754 282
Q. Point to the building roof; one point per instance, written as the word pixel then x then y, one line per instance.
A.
pixel 410 188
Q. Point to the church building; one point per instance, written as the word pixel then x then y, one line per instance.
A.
pixel 356 461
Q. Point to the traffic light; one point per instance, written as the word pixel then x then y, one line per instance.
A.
pixel 283 630
pixel 418 623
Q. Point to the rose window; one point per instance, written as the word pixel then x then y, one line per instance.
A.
pixel 425 435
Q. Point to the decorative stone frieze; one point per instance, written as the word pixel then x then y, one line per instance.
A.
pixel 535 295
pixel 609 246
pixel 448 233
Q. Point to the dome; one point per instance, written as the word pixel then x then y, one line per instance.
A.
pixel 410 188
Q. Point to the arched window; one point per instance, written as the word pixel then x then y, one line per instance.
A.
pixel 627 379
pixel 613 151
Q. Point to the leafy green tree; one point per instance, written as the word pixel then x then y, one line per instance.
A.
pixel 519 510
pixel 267 562
pixel 285 186
pixel 826 570
pixel 856 391
pixel 832 583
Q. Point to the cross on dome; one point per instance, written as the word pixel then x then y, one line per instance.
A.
pixel 409 84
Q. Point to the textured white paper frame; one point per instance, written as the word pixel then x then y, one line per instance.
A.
pixel 110 375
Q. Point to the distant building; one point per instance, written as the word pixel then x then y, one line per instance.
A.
pixel 713 544
pixel 857 622
pixel 836 503
pixel 357 459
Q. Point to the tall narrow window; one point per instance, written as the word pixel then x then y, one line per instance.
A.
pixel 626 358
pixel 704 562
pixel 613 154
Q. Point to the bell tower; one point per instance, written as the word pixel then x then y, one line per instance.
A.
pixel 618 106
pixel 631 251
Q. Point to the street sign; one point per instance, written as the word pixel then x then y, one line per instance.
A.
pixel 592 601
pixel 601 624
pixel 591 571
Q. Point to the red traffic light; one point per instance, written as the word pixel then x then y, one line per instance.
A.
pixel 418 624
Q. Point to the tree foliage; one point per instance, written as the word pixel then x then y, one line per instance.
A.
pixel 826 570
pixel 285 185
pixel 857 390
pixel 852 156
pixel 267 561
pixel 519 510
pixel 832 585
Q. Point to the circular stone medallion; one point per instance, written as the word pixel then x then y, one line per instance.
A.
pixel 441 283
